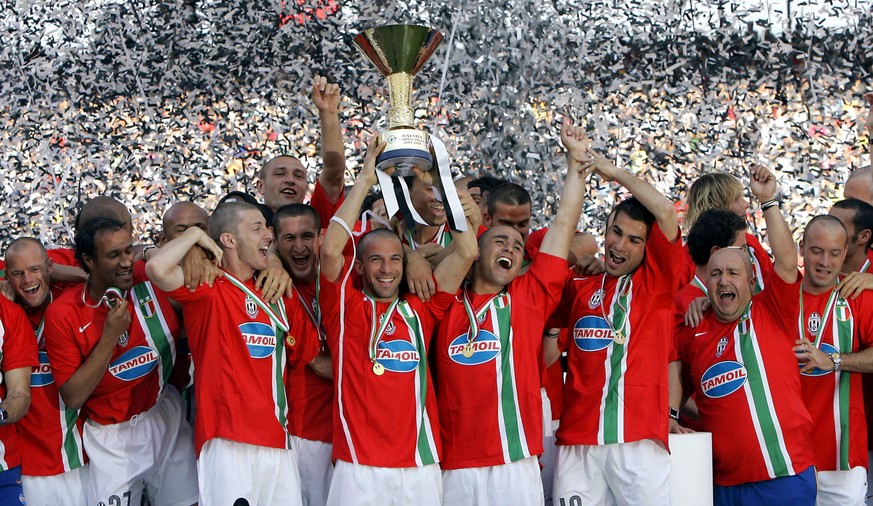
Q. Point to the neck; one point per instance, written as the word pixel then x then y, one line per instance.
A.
pixel 700 271
pixel 96 289
pixel 236 267
pixel 40 308
pixel 482 287
pixel 423 234
pixel 854 263
pixel 811 289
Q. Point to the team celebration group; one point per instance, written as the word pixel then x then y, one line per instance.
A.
pixel 286 353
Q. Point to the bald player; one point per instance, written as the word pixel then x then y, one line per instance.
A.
pixel 859 185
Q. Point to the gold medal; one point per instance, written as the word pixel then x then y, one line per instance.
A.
pixel 468 350
pixel 378 369
pixel 619 338
pixel 289 339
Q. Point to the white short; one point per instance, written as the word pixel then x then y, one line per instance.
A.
pixel 515 483
pixel 316 469
pixel 621 474
pixel 841 488
pixel 65 489
pixel 154 449
pixel 261 475
pixel 354 484
pixel 547 459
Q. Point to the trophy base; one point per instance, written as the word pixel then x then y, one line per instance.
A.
pixel 406 148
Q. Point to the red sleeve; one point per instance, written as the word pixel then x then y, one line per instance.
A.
pixel 863 309
pixel 63 256
pixel 60 343
pixel 323 205
pixel 440 303
pixel 661 260
pixel 19 343
pixel 761 255
pixel 534 242
pixel 782 301
pixel 543 282
pixel 558 318
pixel 685 272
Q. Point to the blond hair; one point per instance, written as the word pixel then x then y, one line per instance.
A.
pixel 711 191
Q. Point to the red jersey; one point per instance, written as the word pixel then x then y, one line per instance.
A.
pixel 239 358
pixel 18 349
pixel 50 434
pixel 490 403
pixel 616 387
pixel 310 397
pixel 748 389
pixel 834 399
pixel 322 205
pixel 390 419
pixel 139 367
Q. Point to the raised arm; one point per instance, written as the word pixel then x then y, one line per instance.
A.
pixel 163 267
pixel 652 199
pixel 450 273
pixel 764 188
pixel 326 98
pixel 336 236
pixel 563 228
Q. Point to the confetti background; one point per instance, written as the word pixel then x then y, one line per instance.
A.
pixel 155 101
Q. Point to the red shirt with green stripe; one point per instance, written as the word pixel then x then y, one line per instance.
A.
pixel 239 363
pixel 138 371
pixel 748 389
pixel 617 393
pixel 490 403
pixel 834 399
pixel 387 420
pixel 50 434
pixel 17 350
pixel 310 397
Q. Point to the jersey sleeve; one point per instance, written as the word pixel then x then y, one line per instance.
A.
pixel 863 309
pixel 60 343
pixel 19 343
pixel 782 301
pixel 63 256
pixel 323 205
pixel 661 259
pixel 439 304
pixel 543 282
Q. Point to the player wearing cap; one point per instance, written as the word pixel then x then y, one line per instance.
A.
pixel 489 352
pixel 237 342
pixel 386 434
pixel 111 345
pixel 53 465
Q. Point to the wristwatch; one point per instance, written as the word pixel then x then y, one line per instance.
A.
pixel 837 358
pixel 674 413
pixel 4 416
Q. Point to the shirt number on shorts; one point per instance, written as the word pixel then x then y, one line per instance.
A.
pixel 573 500
pixel 114 500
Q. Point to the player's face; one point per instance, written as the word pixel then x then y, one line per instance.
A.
pixel 284 182
pixel 29 273
pixel 298 244
pixel 824 251
pixel 847 216
pixel 112 263
pixel 253 239
pixel 378 208
pixel 515 216
pixel 181 218
pixel 740 206
pixel 729 283
pixel 381 266
pixel 624 245
pixel 426 204
pixel 501 254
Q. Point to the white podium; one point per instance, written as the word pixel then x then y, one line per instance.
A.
pixel 691 472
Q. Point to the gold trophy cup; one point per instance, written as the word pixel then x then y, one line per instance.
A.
pixel 399 52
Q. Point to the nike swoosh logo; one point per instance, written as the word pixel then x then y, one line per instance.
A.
pixel 701 333
pixel 82 329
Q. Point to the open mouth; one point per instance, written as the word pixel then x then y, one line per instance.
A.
pixel 290 193
pixel 726 295
pixel 437 209
pixel 504 262
pixel 386 281
pixel 32 290
pixel 264 250
pixel 616 259
pixel 300 260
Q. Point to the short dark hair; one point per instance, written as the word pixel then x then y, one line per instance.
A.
pixel 863 219
pixel 507 193
pixel 486 183
pixel 713 228
pixel 375 234
pixel 225 218
pixel 87 232
pixel 635 210
pixel 294 211
pixel 21 241
pixel 369 200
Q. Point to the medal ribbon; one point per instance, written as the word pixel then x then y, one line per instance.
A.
pixel 376 333
pixel 865 266
pixel 619 312
pixel 280 319
pixel 473 316
pixel 824 317
pixel 700 284
pixel 439 238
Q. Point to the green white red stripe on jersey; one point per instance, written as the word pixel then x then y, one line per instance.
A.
pixel 377 330
pixel 425 447
pixel 72 454
pixel 696 281
pixel 768 429
pixel 509 421
pixel 473 316
pixel 843 332
pixel 443 237
pixel 278 316
pixel 151 319
pixel 611 426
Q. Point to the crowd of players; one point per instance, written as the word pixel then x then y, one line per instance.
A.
pixel 287 353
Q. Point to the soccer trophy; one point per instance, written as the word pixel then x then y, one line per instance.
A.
pixel 399 52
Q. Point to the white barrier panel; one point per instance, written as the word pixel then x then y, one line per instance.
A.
pixel 691 472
